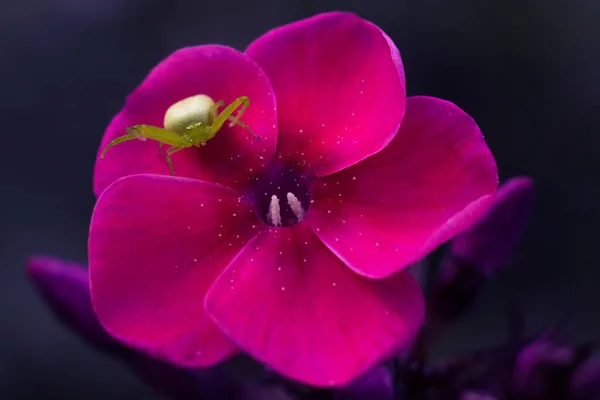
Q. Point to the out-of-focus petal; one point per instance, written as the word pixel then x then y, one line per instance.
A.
pixel 340 88
pixel 585 384
pixel 156 245
pixel 544 369
pixel 535 364
pixel 477 253
pixel 65 287
pixel 472 395
pixel 489 243
pixel 376 383
pixel 232 156
pixel 290 303
pixel 434 180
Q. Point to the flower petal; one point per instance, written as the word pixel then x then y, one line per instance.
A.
pixel 218 71
pixel 156 244
pixel 537 365
pixel 477 253
pixel 340 88
pixel 476 395
pixel 289 302
pixel 489 243
pixel 433 181
pixel 377 383
pixel 544 368
pixel 66 288
pixel 586 381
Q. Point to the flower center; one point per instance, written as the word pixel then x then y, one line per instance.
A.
pixel 281 196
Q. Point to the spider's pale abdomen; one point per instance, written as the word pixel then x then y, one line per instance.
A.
pixel 188 112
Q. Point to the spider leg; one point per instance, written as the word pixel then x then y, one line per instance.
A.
pixel 124 138
pixel 235 121
pixel 145 132
pixel 215 108
pixel 218 122
pixel 170 152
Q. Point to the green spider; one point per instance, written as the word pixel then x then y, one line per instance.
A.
pixel 190 122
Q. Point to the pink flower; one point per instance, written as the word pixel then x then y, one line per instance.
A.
pixel 189 268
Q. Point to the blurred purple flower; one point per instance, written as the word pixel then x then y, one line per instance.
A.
pixel 536 361
pixel 585 382
pixel 476 254
pixel 374 384
pixel 471 395
pixel 544 369
pixel 490 242
pixel 66 289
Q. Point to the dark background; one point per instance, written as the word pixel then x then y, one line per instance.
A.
pixel 528 71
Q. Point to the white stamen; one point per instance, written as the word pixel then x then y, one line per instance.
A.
pixel 274 214
pixel 296 206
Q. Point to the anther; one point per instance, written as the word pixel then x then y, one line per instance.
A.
pixel 274 214
pixel 296 206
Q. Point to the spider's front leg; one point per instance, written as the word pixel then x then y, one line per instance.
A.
pixel 131 135
pixel 235 121
pixel 143 132
pixel 245 102
pixel 227 114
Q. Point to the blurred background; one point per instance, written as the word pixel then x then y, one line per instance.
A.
pixel 528 71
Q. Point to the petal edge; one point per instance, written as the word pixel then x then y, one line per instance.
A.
pixel 156 244
pixel 435 179
pixel 340 88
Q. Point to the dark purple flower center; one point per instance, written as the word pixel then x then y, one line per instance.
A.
pixel 281 195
